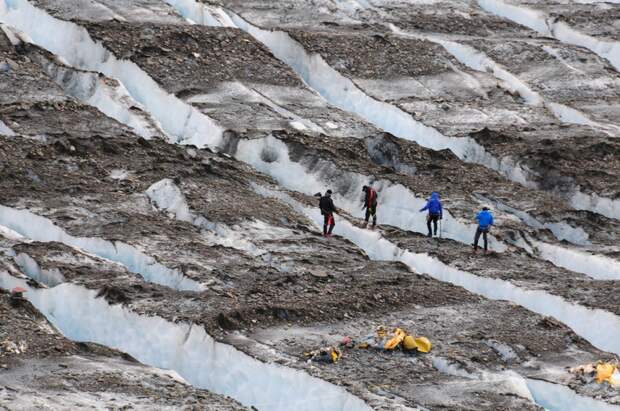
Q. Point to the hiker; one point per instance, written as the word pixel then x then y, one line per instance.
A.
pixel 370 204
pixel 435 212
pixel 326 204
pixel 485 221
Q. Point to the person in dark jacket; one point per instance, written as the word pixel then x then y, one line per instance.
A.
pixel 435 212
pixel 370 204
pixel 326 204
pixel 485 221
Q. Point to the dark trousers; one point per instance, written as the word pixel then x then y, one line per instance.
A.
pixel 432 218
pixel 484 233
pixel 328 223
pixel 372 211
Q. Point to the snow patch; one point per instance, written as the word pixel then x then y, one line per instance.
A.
pixel 505 351
pixel 119 174
pixel 28 265
pixel 167 196
pixel 509 381
pixel 42 229
pixel 186 349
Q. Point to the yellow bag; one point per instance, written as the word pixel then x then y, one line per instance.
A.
pixel 604 372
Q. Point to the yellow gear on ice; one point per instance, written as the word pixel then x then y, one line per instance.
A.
pixel 423 344
pixel 409 343
pixel 399 336
pixel 604 372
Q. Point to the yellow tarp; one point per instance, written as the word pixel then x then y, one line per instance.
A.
pixel 399 336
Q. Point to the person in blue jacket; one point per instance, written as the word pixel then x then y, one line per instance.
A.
pixel 435 212
pixel 485 221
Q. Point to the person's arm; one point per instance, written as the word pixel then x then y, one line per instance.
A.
pixel 333 207
pixel 425 207
pixel 491 221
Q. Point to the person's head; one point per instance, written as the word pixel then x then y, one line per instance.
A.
pixel 485 208
pixel 328 193
pixel 365 188
pixel 434 194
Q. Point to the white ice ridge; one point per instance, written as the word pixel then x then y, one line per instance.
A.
pixel 479 61
pixel 343 93
pixel 30 267
pixel 5 130
pixel 595 266
pixel 39 228
pixel 199 13
pixel 593 202
pixel 184 123
pixel 186 349
pixel 505 382
pixel 601 328
pixel 553 397
pixel 556 397
pixel 540 22
pixel 107 95
pixel 398 205
pixel 166 195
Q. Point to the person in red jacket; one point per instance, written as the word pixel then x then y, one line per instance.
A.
pixel 370 204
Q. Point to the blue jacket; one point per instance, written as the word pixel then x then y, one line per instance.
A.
pixel 485 219
pixel 433 205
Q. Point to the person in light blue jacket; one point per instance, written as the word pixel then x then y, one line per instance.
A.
pixel 485 221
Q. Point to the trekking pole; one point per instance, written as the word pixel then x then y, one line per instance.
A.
pixel 440 228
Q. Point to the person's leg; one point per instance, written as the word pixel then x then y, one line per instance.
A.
pixel 332 223
pixel 428 225
pixel 476 238
pixel 435 220
pixel 325 222
pixel 374 216
pixel 368 213
pixel 484 237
